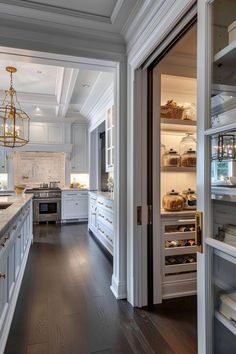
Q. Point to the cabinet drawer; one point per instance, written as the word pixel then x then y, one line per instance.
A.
pixel 74 194
pixel 106 204
pixel 105 233
pixel 105 218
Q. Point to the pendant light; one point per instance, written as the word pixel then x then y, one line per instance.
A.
pixel 14 122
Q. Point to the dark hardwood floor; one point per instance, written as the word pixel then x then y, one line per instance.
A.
pixel 65 304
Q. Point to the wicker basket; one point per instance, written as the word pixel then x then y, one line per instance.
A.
pixel 172 111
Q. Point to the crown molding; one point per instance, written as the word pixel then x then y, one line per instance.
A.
pixel 62 10
pixel 149 29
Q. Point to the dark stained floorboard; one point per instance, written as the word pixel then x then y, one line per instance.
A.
pixel 65 305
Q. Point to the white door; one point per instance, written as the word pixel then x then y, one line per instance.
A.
pixel 216 156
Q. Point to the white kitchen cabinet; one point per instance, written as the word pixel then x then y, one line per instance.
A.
pixel 92 216
pixel 110 143
pixel 14 249
pixel 3 290
pixel 74 205
pixel 101 219
pixel 3 160
pixel 79 155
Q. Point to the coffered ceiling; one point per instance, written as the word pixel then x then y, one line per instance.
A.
pixel 107 15
pixel 49 93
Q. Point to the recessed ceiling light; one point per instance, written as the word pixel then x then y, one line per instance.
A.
pixel 37 109
pixel 86 85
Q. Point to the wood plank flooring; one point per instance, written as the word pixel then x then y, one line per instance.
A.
pixel 65 304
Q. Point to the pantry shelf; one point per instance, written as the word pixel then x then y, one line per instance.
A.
pixel 180 268
pixel 231 325
pixel 222 249
pixel 226 56
pixel 178 169
pixel 173 251
pixel 222 129
pixel 168 124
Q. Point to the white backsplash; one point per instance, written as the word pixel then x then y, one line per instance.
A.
pixel 34 168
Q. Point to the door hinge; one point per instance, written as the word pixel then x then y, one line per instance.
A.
pixel 139 215
pixel 149 214
pixel 198 231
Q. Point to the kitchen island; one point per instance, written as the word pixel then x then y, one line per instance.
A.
pixel 15 240
pixel 101 218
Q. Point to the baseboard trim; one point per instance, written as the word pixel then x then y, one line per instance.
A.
pixel 119 289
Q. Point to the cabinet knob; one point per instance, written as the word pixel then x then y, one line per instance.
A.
pixel 14 227
pixel 2 275
pixel 19 236
pixel 6 237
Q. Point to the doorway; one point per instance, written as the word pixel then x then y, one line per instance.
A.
pixel 172 122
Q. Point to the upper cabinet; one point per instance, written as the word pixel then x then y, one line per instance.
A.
pixel 110 124
pixel 3 160
pixel 49 133
pixel 79 156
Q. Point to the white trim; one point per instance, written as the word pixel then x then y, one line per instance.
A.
pixel 119 289
pixel 144 35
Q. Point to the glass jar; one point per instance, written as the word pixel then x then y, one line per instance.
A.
pixel 190 199
pixel 189 159
pixel 173 201
pixel 187 142
pixel 171 159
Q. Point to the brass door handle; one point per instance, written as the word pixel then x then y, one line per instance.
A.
pixel 198 231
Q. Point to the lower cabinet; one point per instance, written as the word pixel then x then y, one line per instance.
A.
pixel 14 249
pixel 100 220
pixel 74 205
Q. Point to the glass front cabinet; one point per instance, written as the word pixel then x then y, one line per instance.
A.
pixel 216 176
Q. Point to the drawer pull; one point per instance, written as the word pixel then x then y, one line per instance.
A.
pixel 14 227
pixel 94 214
pixel 6 237
pixel 108 206
pixel 102 216
pixel 19 236
pixel 109 221
pixel 100 203
pixel 2 275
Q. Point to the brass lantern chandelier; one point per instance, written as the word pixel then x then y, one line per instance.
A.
pixel 14 122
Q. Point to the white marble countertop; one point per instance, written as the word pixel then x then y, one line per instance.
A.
pixel 8 215
pixel 106 195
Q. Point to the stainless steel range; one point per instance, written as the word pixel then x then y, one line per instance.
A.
pixel 46 204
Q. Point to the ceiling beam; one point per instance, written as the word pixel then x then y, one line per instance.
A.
pixel 67 88
pixel 33 98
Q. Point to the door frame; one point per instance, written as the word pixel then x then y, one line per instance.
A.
pixel 119 276
pixel 138 63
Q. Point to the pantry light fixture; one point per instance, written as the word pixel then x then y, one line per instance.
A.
pixel 14 122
